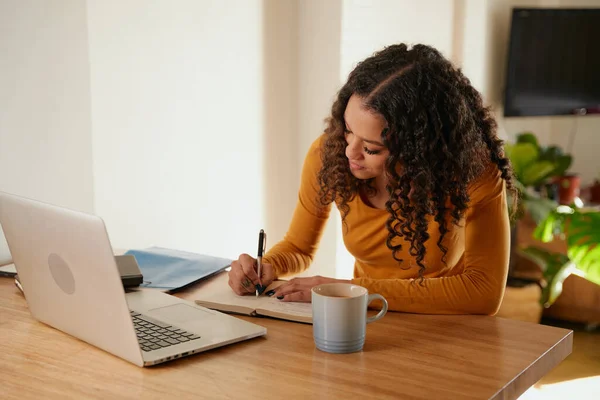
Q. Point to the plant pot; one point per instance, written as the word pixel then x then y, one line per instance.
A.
pixel 595 192
pixel 568 188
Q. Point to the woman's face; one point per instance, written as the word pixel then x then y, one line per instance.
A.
pixel 366 154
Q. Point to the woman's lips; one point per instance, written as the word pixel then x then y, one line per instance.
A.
pixel 355 166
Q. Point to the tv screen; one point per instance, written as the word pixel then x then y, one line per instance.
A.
pixel 553 62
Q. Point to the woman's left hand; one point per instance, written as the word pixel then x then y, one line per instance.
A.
pixel 298 289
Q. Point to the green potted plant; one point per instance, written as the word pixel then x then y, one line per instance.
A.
pixel 534 166
pixel 581 230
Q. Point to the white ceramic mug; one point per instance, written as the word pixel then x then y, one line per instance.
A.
pixel 339 312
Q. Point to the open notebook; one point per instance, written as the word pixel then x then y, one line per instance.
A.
pixel 217 295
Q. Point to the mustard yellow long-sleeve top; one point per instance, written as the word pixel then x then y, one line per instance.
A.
pixel 470 282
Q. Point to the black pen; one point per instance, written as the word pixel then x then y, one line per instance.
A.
pixel 262 243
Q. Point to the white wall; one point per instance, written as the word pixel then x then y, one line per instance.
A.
pixel 301 76
pixel 193 106
pixel 177 120
pixel 469 41
pixel 319 60
pixel 280 76
pixel 45 128
pixel 369 25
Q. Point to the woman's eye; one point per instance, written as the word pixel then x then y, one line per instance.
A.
pixel 371 152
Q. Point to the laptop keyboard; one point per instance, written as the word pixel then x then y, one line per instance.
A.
pixel 154 335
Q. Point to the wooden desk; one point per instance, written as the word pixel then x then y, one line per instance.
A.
pixel 405 356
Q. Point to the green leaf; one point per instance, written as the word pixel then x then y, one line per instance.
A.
pixel 550 153
pixel 589 264
pixel 555 285
pixel 555 155
pixel 555 267
pixel 528 137
pixel 583 240
pixel 521 155
pixel 539 208
pixel 582 231
pixel 562 165
pixel 535 173
pixel 546 229
pixel 549 262
pixel 576 253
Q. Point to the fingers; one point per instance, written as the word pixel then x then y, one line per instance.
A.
pixel 297 289
pixel 235 285
pixel 303 296
pixel 243 277
pixel 235 281
pixel 286 288
pixel 238 281
pixel 267 275
pixel 294 290
pixel 248 265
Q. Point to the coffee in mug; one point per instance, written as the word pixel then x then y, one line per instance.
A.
pixel 339 313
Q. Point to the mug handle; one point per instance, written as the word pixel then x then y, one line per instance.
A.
pixel 383 309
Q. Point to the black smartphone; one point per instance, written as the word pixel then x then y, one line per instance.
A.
pixel 129 270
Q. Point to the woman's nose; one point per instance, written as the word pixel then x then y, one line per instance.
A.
pixel 353 149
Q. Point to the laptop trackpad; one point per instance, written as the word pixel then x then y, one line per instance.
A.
pixel 178 313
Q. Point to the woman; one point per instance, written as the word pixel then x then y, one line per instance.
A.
pixel 411 158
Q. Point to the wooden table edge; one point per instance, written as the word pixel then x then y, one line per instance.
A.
pixel 537 369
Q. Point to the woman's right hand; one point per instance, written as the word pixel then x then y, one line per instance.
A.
pixel 243 277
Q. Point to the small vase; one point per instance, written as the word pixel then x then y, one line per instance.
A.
pixel 568 188
pixel 595 192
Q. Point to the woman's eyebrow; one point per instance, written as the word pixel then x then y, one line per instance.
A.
pixel 363 139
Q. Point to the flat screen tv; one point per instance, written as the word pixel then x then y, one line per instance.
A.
pixel 553 62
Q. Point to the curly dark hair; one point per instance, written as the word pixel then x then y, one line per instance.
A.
pixel 438 131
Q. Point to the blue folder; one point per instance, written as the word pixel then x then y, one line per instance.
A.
pixel 171 270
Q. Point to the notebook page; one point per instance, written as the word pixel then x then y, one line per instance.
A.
pixel 217 291
pixel 228 297
pixel 288 308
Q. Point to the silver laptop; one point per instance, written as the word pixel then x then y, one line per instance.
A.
pixel 70 279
